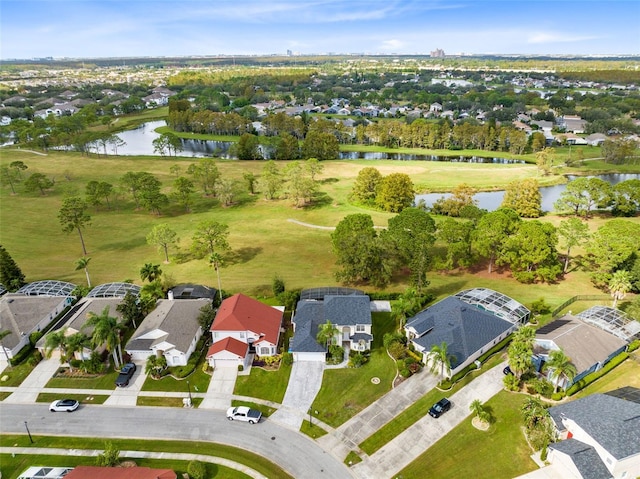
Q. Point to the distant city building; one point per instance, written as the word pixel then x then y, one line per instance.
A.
pixel 437 53
pixel 289 53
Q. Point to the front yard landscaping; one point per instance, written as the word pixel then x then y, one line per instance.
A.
pixel 264 384
pixel 346 392
pixel 460 452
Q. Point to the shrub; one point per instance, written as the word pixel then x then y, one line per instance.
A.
pixel 415 367
pixel 197 470
pixel 397 350
pixel 543 454
pixel 558 396
pixel 405 373
pixel 357 360
pixel 240 368
pixel 633 345
pixel 589 378
pixel 511 382
pixel 540 386
pixel 336 354
pixel 277 285
pixel 540 307
pixel 22 355
pixel 287 359
pixel 34 337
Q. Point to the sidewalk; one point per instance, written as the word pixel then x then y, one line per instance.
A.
pixel 44 451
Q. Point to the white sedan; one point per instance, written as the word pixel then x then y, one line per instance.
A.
pixel 62 405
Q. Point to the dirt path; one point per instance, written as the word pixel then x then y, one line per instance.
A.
pixel 28 151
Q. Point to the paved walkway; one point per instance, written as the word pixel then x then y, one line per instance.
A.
pixel 304 384
pixel 46 451
pixel 404 448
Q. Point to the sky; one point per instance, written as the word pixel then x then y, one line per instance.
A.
pixel 114 28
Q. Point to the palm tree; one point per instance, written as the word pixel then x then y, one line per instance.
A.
pixel 4 334
pixel 478 409
pixel 521 350
pixel 561 365
pixel 155 365
pixel 533 412
pixel 326 333
pixel 619 285
pixel 440 359
pixel 215 260
pixel 106 330
pixel 150 272
pixel 57 340
pixel 75 344
pixel 82 263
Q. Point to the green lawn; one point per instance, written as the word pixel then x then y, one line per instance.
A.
pixel 263 384
pixel 198 382
pixel 103 381
pixel 346 392
pixel 16 374
pixel 500 452
pixel 82 398
pixel 18 464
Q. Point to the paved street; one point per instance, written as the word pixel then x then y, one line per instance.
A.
pixel 297 454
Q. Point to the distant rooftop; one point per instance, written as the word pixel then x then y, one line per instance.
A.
pixel 612 320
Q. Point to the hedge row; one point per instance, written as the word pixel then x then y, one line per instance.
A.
pixel 589 378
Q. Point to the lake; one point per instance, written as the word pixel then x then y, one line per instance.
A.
pixel 491 200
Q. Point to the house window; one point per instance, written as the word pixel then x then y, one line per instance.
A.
pixel 359 328
pixel 216 334
pixel 265 351
pixel 242 335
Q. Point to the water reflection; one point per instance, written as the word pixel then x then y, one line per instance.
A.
pixel 491 200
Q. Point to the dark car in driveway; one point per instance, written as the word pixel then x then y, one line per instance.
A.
pixel 126 373
pixel 439 408
pixel 507 371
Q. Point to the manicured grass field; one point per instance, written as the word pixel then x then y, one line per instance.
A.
pixel 82 398
pixel 263 242
pixel 103 381
pixel 198 382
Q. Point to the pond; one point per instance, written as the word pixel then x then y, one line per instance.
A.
pixel 491 200
pixel 140 142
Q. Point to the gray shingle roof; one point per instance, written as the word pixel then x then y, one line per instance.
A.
pixel 465 328
pixel 178 319
pixel 584 457
pixel 613 422
pixel 340 310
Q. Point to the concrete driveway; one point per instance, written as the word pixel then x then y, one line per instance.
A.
pixel 34 382
pixel 128 395
pixel 220 389
pixel 304 384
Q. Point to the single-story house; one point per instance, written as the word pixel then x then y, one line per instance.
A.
pixel 171 330
pixel 596 139
pixel 75 320
pixel 588 346
pixel 470 323
pixel 24 314
pixel 600 437
pixel 244 326
pixel 349 314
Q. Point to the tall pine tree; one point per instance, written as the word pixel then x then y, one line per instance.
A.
pixel 11 276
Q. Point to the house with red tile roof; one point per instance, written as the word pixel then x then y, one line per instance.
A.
pixel 97 472
pixel 243 326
